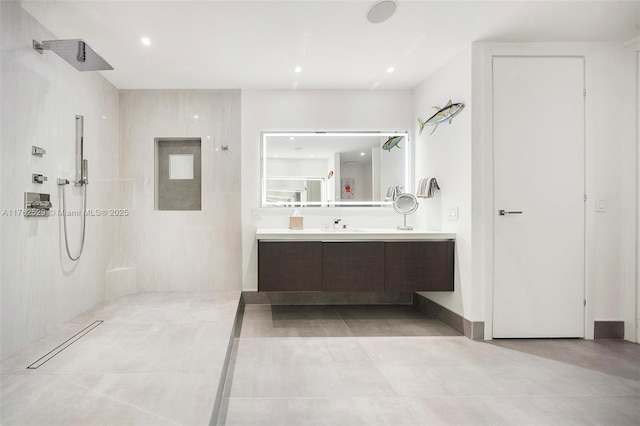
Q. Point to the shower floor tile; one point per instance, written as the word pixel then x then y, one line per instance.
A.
pixel 157 358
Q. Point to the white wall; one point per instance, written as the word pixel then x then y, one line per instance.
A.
pixel 446 155
pixel 614 140
pixel 182 250
pixel 299 110
pixel 610 171
pixel 41 94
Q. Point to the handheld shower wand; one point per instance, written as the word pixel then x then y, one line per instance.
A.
pixel 82 179
pixel 82 165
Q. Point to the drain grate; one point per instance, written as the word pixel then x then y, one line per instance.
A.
pixel 64 345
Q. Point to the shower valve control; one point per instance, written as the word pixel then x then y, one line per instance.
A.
pixel 38 178
pixel 37 151
pixel 37 204
pixel 42 205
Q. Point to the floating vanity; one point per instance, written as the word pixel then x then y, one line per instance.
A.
pixel 355 259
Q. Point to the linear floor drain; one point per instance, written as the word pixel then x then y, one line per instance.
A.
pixel 64 345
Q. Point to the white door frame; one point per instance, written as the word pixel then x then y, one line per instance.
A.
pixel 637 304
pixel 482 171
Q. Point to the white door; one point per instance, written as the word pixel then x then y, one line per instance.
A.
pixel 539 248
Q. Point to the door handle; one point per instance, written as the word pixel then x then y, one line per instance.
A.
pixel 505 212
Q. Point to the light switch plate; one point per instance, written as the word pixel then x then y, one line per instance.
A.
pixel 452 214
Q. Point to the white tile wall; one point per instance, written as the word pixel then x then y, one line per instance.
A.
pixel 182 250
pixel 41 94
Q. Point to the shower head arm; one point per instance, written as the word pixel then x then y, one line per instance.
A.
pixel 39 47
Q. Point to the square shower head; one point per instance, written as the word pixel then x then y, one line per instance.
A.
pixel 76 52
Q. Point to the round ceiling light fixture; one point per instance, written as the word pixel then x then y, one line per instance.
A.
pixel 381 10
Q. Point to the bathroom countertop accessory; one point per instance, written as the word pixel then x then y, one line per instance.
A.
pixel 296 221
pixel 405 204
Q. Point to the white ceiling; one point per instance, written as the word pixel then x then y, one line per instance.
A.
pixel 257 44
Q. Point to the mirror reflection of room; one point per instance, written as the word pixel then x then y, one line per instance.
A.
pixel 331 168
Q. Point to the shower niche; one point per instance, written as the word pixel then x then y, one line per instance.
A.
pixel 178 177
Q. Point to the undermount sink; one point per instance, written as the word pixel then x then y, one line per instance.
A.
pixel 343 230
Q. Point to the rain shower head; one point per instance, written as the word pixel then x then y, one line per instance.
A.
pixel 76 52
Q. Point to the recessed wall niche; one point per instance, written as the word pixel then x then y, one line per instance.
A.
pixel 178 183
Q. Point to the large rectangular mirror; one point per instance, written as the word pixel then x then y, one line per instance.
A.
pixel 329 169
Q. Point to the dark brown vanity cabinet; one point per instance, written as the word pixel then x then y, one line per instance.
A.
pixel 353 266
pixel 419 266
pixel 290 266
pixel 392 266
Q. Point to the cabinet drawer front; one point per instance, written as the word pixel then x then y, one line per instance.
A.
pixel 357 266
pixel 290 266
pixel 419 266
pixel 435 266
pixel 400 266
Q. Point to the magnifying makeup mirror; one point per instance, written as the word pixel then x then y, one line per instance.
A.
pixel 405 204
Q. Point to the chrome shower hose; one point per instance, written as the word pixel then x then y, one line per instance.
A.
pixel 64 221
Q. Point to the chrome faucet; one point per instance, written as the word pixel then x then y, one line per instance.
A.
pixel 336 223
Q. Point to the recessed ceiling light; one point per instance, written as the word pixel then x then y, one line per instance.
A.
pixel 292 138
pixel 297 69
pixel 195 116
pixel 146 41
pixel 311 156
pixel 381 10
pixel 390 70
pixel 362 153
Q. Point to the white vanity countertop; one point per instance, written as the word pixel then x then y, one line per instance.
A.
pixel 383 234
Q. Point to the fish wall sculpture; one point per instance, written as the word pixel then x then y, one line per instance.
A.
pixel 445 113
pixel 393 141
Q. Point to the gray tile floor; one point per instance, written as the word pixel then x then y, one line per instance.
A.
pixel 341 321
pixel 157 359
pixel 328 366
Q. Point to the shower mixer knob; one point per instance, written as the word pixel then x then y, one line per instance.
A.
pixel 38 178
